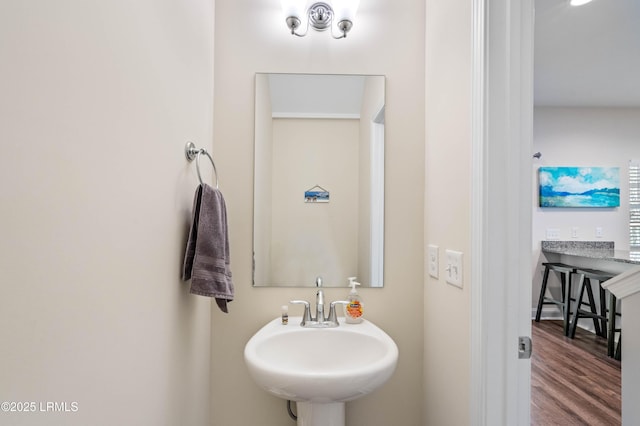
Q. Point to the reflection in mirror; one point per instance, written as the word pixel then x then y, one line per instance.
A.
pixel 318 180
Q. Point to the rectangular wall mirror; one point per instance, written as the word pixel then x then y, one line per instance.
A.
pixel 318 208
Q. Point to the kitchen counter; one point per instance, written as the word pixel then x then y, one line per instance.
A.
pixel 593 254
pixel 591 249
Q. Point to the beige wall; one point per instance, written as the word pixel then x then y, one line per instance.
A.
pixel 98 100
pixel 388 38
pixel 447 219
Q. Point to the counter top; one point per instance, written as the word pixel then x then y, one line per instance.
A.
pixel 592 249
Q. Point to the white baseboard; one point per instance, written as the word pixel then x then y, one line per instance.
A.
pixel 548 313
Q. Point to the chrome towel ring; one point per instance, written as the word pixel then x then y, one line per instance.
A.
pixel 191 152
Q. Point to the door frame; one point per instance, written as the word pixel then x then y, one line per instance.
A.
pixel 502 134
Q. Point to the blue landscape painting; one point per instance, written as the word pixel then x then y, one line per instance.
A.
pixel 579 186
pixel 316 196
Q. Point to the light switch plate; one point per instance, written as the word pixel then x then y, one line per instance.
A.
pixel 454 267
pixel 432 261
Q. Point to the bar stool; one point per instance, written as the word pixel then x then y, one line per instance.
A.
pixel 600 319
pixel 613 350
pixel 565 271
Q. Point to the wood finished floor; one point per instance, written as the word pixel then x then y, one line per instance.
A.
pixel 573 382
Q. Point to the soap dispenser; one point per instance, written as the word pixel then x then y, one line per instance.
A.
pixel 353 310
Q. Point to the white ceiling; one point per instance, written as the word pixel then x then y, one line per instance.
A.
pixel 587 55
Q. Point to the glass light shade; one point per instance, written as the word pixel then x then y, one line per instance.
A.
pixel 579 2
pixel 345 9
pixel 293 8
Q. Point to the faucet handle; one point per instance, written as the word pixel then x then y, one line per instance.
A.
pixel 333 317
pixel 307 310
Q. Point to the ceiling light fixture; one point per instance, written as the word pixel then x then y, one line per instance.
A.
pixel 579 2
pixel 320 16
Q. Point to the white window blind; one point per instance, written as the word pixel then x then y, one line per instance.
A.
pixel 634 205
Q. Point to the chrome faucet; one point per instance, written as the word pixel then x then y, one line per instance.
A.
pixel 320 321
pixel 319 300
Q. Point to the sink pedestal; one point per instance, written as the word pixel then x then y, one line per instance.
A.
pixel 320 414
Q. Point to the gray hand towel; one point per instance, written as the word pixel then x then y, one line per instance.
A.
pixel 206 261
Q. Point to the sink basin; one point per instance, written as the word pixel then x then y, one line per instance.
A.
pixel 320 365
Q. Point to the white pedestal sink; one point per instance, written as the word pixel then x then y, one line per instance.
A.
pixel 320 368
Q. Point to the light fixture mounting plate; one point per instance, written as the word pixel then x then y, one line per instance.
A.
pixel 320 16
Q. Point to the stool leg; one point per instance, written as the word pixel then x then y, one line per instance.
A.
pixel 574 323
pixel 611 325
pixel 566 286
pixel 592 306
pixel 603 311
pixel 618 354
pixel 543 289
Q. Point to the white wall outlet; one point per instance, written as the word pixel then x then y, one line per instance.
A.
pixel 599 232
pixel 574 232
pixel 454 267
pixel 553 234
pixel 432 261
